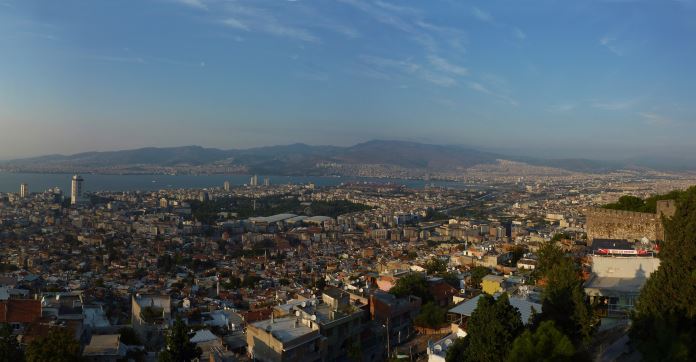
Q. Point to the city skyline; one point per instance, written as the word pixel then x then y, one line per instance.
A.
pixel 597 79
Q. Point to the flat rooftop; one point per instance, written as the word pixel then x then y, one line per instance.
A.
pixel 284 329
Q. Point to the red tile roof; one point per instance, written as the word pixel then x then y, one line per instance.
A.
pixel 20 311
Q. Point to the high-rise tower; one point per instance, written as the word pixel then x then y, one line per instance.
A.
pixel 24 191
pixel 76 190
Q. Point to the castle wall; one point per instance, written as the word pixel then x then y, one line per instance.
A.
pixel 619 224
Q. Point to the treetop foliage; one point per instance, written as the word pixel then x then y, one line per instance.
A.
pixel 649 205
pixel 664 321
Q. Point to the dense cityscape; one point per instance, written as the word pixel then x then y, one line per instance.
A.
pixel 295 272
pixel 347 181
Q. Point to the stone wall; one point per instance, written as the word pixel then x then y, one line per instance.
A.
pixel 667 207
pixel 619 224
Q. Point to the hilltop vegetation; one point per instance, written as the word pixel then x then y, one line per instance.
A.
pixel 637 204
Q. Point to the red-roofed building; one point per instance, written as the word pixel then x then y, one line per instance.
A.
pixel 19 312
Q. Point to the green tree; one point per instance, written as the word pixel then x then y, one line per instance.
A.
pixel 664 321
pixel 129 337
pixel 431 316
pixel 565 303
pixel 435 266
pixel 59 346
pixel 477 274
pixel 457 350
pixel 412 284
pixel 179 347
pixel 550 254
pixel 628 203
pixel 546 343
pixel 493 327
pixel 9 347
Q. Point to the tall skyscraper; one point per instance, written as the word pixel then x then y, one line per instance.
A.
pixel 226 186
pixel 266 181
pixel 76 190
pixel 24 191
pixel 254 180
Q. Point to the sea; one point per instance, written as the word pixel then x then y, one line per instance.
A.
pixel 39 182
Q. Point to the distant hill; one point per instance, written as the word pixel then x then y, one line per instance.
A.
pixel 302 159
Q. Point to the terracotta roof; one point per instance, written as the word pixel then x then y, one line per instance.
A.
pixel 20 310
pixel 256 315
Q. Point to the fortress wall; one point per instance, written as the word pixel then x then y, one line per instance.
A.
pixel 619 224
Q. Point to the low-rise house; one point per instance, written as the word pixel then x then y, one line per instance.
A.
pixel 105 348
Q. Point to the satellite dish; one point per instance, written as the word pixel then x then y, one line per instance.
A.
pixel 448 342
pixel 297 313
pixel 361 290
pixel 304 304
pixel 438 348
pixel 314 317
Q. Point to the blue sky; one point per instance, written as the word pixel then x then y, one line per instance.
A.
pixel 590 78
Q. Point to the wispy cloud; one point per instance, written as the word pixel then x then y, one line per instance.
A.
pixel 655 119
pixel 615 105
pixel 610 43
pixel 255 19
pixel 562 107
pixel 402 65
pixel 518 33
pixel 117 59
pixel 384 15
pixel 482 15
pixel 235 23
pixel 199 4
pixel 478 87
pixel 438 79
pixel 397 8
pixel 446 66
pixel 407 67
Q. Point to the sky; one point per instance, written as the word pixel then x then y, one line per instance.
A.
pixel 602 79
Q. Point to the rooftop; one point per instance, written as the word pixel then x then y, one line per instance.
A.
pixel 284 329
pixel 523 305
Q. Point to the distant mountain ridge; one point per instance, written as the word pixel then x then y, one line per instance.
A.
pixel 299 158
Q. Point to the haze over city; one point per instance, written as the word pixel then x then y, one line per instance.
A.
pixel 596 79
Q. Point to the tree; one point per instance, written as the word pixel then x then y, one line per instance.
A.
pixel 477 274
pixel 430 316
pixel 435 266
pixel 492 328
pixel 129 337
pixel 565 303
pixel 545 344
pixel 412 284
pixel 664 321
pixel 550 254
pixel 517 254
pixel 457 350
pixel 179 347
pixel 59 346
pixel 9 347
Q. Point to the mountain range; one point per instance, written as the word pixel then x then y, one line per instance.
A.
pixel 303 159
